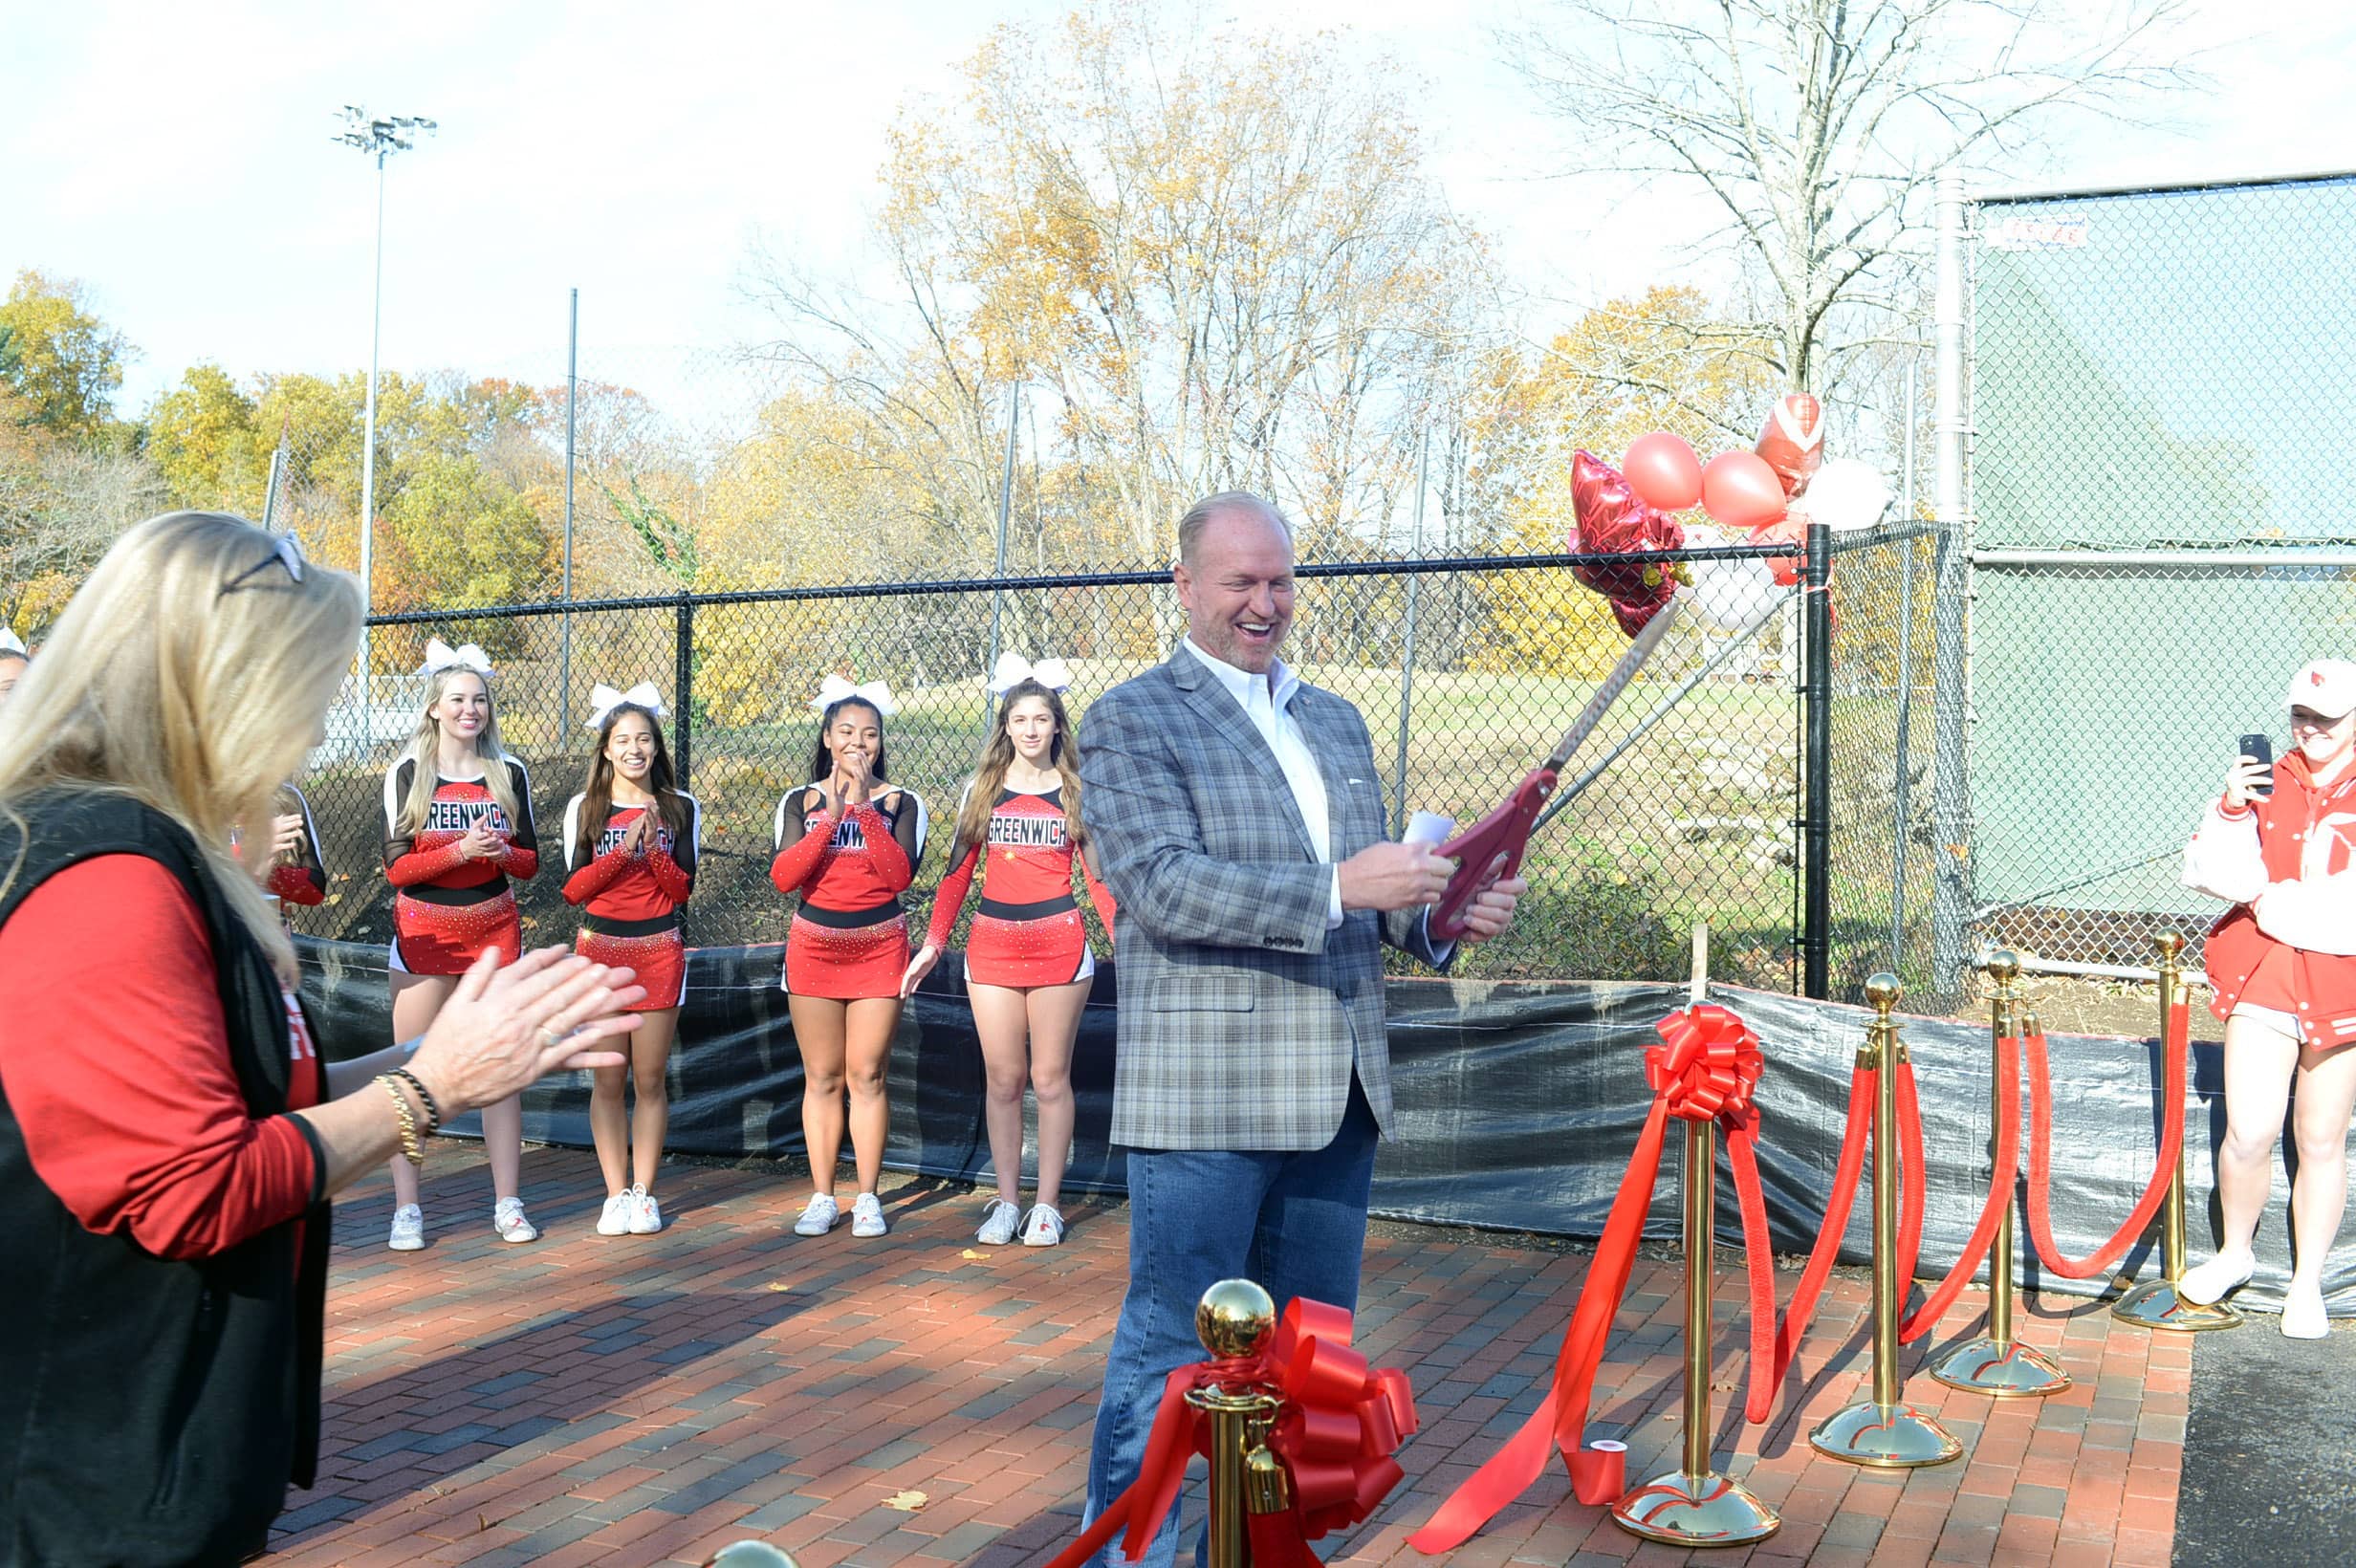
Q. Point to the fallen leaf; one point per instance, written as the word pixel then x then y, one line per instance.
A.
pixel 975 1256
pixel 907 1502
pixel 779 1285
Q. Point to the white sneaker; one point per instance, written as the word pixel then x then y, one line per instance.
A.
pixel 1045 1228
pixel 507 1217
pixel 409 1229
pixel 645 1214
pixel 867 1215
pixel 998 1223
pixel 2207 1283
pixel 2303 1316
pixel 819 1216
pixel 614 1219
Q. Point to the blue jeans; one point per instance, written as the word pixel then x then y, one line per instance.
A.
pixel 1296 1222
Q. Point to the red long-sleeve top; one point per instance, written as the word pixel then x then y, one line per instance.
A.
pixel 1029 865
pixel 639 890
pixel 428 858
pixel 861 862
pixel 113 1060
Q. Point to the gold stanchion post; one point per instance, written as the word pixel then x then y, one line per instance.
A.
pixel 1884 1432
pixel 1234 1320
pixel 1997 1364
pixel 1694 1505
pixel 2157 1304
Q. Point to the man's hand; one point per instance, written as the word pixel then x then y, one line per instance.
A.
pixel 1492 910
pixel 1389 877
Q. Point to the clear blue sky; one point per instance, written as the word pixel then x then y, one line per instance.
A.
pixel 179 159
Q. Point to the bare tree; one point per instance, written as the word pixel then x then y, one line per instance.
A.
pixel 1817 126
pixel 1221 258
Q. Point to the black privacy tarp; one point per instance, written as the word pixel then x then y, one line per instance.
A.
pixel 1517 1105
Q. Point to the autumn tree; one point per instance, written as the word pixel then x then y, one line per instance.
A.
pixel 1816 127
pixel 61 361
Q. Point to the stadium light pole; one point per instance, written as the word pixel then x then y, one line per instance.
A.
pixel 379 136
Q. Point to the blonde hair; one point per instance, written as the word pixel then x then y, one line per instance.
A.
pixel 425 751
pixel 190 673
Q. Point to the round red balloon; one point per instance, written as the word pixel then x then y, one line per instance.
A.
pixel 1662 471
pixel 1739 489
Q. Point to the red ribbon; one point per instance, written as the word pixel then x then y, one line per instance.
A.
pixel 1706 1068
pixel 1339 1426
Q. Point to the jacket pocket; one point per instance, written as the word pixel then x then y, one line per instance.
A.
pixel 1220 995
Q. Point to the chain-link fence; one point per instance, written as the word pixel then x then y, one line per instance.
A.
pixel 1697 814
pixel 2162 491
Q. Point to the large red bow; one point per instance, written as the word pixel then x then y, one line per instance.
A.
pixel 1338 1425
pixel 1704 1069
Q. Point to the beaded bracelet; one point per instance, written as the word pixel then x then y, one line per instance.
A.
pixel 425 1098
pixel 409 1148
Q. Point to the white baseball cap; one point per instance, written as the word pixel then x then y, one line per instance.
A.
pixel 2326 687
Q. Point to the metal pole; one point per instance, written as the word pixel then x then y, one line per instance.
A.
pixel 1884 1432
pixel 1951 784
pixel 572 395
pixel 1902 803
pixel 1406 662
pixel 369 466
pixel 1006 506
pixel 1816 701
pixel 683 688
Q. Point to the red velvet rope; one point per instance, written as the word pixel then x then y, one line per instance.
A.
pixel 1706 1068
pixel 2174 1049
pixel 1340 1423
pixel 1864 1085
pixel 1992 1210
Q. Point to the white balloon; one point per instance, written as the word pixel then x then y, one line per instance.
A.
pixel 1847 494
pixel 1734 595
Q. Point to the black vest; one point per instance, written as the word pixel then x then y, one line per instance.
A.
pixel 152 1412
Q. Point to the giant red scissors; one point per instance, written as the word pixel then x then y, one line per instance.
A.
pixel 1492 848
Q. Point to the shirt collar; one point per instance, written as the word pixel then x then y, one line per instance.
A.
pixel 1279 683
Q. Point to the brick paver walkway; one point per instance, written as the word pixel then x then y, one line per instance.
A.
pixel 918 1401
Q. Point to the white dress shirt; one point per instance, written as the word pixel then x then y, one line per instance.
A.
pixel 1267 700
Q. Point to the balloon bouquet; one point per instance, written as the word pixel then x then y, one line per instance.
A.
pixel 1770 492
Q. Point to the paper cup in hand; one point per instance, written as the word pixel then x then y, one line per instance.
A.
pixel 1427 827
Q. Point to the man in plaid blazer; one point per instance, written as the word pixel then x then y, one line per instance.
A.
pixel 1237 814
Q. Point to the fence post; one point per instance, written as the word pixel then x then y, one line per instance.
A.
pixel 572 392
pixel 1901 786
pixel 1951 798
pixel 1816 735
pixel 683 680
pixel 1406 662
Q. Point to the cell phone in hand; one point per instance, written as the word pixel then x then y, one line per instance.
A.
pixel 2261 748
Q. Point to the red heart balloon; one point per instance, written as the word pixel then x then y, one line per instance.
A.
pixel 1610 520
pixel 1662 471
pixel 1739 489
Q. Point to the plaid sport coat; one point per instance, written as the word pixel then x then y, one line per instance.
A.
pixel 1240 1014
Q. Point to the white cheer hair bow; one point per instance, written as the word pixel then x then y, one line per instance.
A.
pixel 10 642
pixel 1014 669
pixel 441 656
pixel 876 694
pixel 604 699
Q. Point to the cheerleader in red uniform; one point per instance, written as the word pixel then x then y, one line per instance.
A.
pixel 297 873
pixel 457 826
pixel 848 842
pixel 631 841
pixel 1028 967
